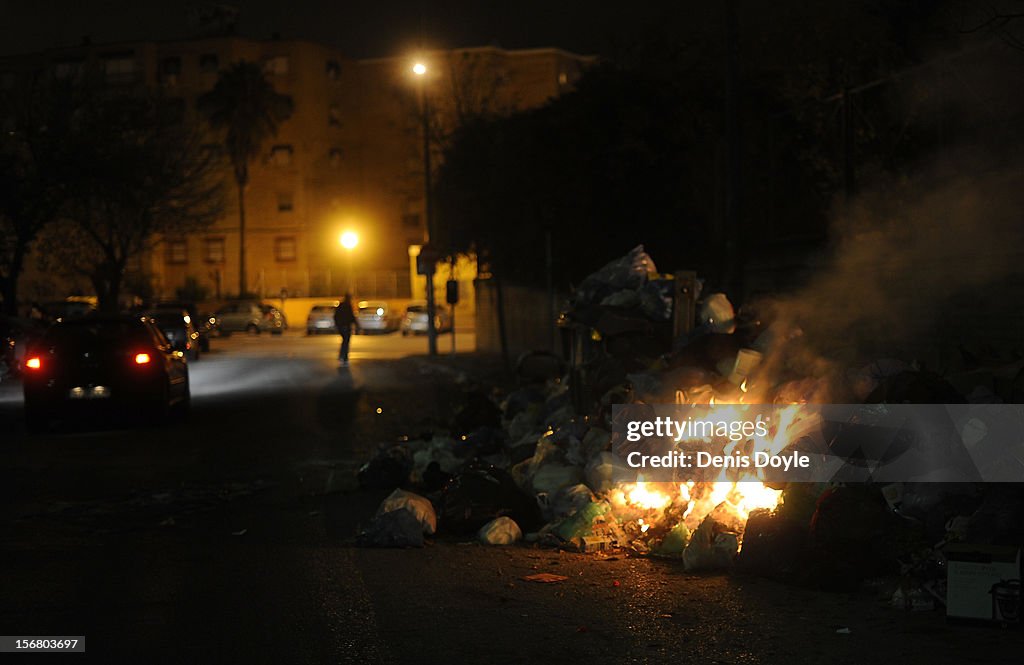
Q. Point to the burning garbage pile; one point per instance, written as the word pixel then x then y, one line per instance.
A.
pixel 543 465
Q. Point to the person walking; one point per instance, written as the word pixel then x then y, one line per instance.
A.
pixel 344 319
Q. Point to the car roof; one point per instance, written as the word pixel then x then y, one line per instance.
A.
pixel 93 319
pixel 180 310
pixel 104 318
pixel 184 304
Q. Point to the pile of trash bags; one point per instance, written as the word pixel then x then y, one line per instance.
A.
pixel 537 466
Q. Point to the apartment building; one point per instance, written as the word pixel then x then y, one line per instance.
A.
pixel 349 158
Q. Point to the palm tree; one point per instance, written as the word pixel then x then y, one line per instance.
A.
pixel 244 105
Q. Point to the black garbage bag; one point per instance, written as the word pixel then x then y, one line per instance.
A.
pixel 520 400
pixel 536 367
pixel 388 470
pixel 397 528
pixel 434 479
pixel 774 546
pixel 851 538
pixel 480 494
pixel 482 441
pixel 478 411
pixel 627 272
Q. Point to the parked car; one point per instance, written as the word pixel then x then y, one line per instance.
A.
pixel 176 325
pixel 321 318
pixel 414 322
pixel 376 316
pixel 276 314
pixel 203 322
pixel 16 334
pixel 251 317
pixel 85 366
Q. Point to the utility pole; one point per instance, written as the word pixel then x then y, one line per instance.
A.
pixel 421 70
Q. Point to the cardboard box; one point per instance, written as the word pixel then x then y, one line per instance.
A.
pixel 979 582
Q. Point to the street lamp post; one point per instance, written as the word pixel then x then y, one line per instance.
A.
pixel 420 70
pixel 349 240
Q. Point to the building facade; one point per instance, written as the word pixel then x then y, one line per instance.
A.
pixel 349 158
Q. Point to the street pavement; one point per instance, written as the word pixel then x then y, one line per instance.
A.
pixel 229 539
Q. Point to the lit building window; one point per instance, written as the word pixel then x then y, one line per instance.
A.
pixel 213 250
pixel 209 63
pixel 281 155
pixel 335 157
pixel 334 115
pixel 285 203
pixel 333 70
pixel 276 65
pixel 120 68
pixel 177 252
pixel 284 248
pixel 170 70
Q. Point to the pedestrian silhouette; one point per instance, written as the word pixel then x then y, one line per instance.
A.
pixel 344 319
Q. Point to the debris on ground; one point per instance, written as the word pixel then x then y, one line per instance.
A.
pixel 397 528
pixel 417 506
pixel 544 578
pixel 500 531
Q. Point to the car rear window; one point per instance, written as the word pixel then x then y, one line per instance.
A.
pixel 167 316
pixel 323 308
pixel 416 309
pixel 100 330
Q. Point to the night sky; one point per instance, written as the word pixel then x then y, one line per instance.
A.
pixel 362 29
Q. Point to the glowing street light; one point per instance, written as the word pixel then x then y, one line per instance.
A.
pixel 420 70
pixel 349 240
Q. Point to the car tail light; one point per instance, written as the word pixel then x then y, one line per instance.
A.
pixel 141 358
pixel 35 362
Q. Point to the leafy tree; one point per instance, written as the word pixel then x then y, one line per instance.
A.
pixel 246 108
pixel 606 167
pixel 140 173
pixel 640 151
pixel 37 113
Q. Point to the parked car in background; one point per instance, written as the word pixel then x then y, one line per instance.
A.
pixel 203 322
pixel 321 318
pixel 414 322
pixel 176 325
pixel 376 316
pixel 251 317
pixel 276 314
pixel 16 334
pixel 85 366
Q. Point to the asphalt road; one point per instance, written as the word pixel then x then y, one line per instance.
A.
pixel 229 539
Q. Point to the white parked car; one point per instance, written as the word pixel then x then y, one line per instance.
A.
pixel 415 320
pixel 376 316
pixel 321 318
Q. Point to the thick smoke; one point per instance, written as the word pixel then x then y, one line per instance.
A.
pixel 929 268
